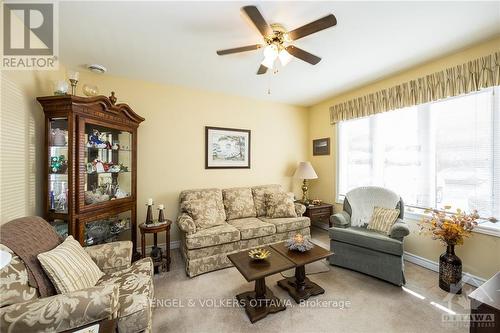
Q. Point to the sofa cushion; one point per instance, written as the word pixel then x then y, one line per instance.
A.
pixel 288 223
pixel 259 199
pixel 209 193
pixel 220 234
pixel 238 203
pixel 136 290
pixel 69 267
pixel 280 204
pixel 366 238
pixel 203 211
pixel 252 227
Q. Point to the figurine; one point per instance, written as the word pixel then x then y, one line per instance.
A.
pixel 91 168
pixel 98 165
pixel 114 168
pixel 115 146
pixel 58 164
pixel 95 140
pixel 61 199
pixel 58 137
pixel 119 194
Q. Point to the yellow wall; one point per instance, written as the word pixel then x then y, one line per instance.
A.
pixel 480 253
pixel 171 151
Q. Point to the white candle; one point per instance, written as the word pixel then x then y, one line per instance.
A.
pixel 150 202
pixel 160 206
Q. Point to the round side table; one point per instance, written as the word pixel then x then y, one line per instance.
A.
pixel 155 229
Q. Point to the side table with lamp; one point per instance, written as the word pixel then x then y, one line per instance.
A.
pixel 317 211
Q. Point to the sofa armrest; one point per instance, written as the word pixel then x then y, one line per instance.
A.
pixel 186 223
pixel 61 312
pixel 341 220
pixel 300 209
pixel 111 257
pixel 399 230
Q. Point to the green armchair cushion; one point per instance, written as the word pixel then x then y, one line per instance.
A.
pixel 369 239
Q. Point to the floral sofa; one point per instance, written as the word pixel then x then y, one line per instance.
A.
pixel 243 225
pixel 124 292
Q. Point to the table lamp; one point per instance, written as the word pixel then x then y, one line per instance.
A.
pixel 305 171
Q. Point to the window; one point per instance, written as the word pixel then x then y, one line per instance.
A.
pixel 433 155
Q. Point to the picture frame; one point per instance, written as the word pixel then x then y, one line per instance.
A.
pixel 321 147
pixel 227 148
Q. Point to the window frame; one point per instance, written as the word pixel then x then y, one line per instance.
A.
pixel 415 214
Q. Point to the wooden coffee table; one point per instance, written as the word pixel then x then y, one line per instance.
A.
pixel 300 287
pixel 261 301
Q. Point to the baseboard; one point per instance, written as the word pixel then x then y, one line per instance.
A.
pixel 468 278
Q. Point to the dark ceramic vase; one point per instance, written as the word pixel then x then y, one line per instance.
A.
pixel 450 271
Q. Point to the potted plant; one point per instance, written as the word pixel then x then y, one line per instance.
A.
pixel 451 229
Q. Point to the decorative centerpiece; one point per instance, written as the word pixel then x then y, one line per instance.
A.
pixel 259 254
pixel 450 229
pixel 299 243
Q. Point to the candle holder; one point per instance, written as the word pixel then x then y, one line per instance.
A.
pixel 149 214
pixel 73 79
pixel 161 216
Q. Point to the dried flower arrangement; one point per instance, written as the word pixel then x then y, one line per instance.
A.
pixel 450 228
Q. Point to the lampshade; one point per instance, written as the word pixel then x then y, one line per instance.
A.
pixel 5 258
pixel 305 171
pixel 285 57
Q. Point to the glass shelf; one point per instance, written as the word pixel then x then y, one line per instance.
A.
pixel 107 149
pixel 106 172
pixel 108 230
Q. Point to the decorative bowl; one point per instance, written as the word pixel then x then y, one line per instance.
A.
pixel 299 243
pixel 259 254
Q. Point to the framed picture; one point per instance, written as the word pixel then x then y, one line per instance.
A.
pixel 227 148
pixel 321 146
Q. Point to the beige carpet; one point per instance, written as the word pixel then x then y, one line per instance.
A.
pixel 206 303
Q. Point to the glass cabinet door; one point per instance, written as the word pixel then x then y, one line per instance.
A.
pixel 112 229
pixel 108 162
pixel 58 165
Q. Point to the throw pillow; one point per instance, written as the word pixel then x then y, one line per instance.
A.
pixel 280 204
pixel 69 267
pixel 383 219
pixel 238 203
pixel 259 197
pixel 203 211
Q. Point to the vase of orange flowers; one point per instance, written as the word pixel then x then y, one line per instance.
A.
pixel 451 229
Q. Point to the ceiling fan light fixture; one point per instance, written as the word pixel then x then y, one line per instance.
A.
pixel 268 62
pixel 284 57
pixel 271 52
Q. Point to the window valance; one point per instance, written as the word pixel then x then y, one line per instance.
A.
pixel 462 79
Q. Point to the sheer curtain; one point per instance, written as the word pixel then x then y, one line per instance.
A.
pixel 433 155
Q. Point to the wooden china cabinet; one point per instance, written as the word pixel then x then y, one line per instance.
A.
pixel 90 164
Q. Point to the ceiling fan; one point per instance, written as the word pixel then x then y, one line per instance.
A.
pixel 277 40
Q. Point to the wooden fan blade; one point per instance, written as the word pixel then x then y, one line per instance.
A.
pixel 258 20
pixel 262 70
pixel 239 49
pixel 315 26
pixel 303 55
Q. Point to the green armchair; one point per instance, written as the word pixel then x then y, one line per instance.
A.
pixel 368 251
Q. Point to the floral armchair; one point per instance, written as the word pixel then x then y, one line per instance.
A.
pixel 124 292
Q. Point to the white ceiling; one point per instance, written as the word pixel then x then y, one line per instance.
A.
pixel 175 42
